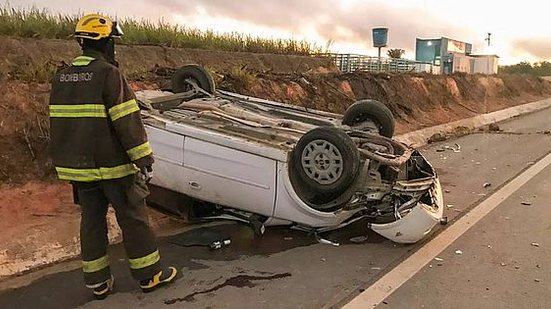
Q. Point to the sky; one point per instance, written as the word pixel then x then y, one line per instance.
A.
pixel 521 30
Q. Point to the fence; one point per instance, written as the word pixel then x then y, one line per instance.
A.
pixel 352 63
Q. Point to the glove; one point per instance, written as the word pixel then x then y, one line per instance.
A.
pixel 147 173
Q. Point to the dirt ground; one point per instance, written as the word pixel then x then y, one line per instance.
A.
pixel 31 203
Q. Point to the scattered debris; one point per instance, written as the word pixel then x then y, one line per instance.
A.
pixel 525 203
pixel 438 259
pixel 449 206
pixel 458 252
pixel 494 127
pixel 437 137
pixel 487 184
pixel 358 239
pixel 503 264
pixel 490 247
pixel 220 244
pixel 457 148
pixel 202 237
pixel 430 266
pixel 327 241
pixel 535 244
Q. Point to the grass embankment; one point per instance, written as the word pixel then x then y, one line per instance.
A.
pixel 36 23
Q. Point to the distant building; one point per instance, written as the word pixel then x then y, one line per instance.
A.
pixel 454 56
pixel 485 64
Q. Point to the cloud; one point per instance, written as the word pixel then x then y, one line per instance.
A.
pixel 329 18
pixel 537 47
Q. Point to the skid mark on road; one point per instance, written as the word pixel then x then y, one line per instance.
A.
pixel 390 282
pixel 239 281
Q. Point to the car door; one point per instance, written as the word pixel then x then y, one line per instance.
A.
pixel 229 177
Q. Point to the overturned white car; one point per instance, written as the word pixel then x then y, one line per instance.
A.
pixel 228 156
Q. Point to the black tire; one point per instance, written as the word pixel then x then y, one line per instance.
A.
pixel 196 73
pixel 318 154
pixel 372 110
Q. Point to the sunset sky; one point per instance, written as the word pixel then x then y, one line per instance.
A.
pixel 521 30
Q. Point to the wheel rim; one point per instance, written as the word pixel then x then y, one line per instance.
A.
pixel 322 162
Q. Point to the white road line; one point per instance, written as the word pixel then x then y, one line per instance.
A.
pixel 390 282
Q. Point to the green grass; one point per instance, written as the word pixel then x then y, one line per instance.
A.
pixel 36 23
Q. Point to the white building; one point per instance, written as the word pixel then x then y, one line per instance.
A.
pixel 484 64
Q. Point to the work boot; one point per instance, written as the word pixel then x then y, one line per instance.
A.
pixel 161 278
pixel 102 290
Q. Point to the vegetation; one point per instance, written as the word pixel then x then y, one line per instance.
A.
pixel 35 23
pixel 396 53
pixel 542 68
pixel 243 76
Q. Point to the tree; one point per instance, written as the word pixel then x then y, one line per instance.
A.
pixel 542 68
pixel 396 53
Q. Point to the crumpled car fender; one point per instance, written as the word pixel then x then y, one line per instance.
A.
pixel 417 223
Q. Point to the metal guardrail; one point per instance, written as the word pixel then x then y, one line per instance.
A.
pixel 352 62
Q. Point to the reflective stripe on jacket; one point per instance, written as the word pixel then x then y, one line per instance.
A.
pixel 95 124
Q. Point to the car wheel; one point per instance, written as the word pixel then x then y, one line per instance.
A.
pixel 375 111
pixel 323 165
pixel 193 72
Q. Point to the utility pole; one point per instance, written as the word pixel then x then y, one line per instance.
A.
pixel 380 66
pixel 489 38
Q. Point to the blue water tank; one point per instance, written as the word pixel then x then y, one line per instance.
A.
pixel 380 37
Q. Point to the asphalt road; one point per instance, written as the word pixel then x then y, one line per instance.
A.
pixel 288 269
pixel 504 260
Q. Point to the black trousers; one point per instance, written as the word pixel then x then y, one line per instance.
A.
pixel 127 196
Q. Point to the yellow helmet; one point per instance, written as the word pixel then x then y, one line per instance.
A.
pixel 97 27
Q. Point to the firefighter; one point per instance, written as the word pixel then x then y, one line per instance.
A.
pixel 99 144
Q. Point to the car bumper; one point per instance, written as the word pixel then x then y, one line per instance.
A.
pixel 418 223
